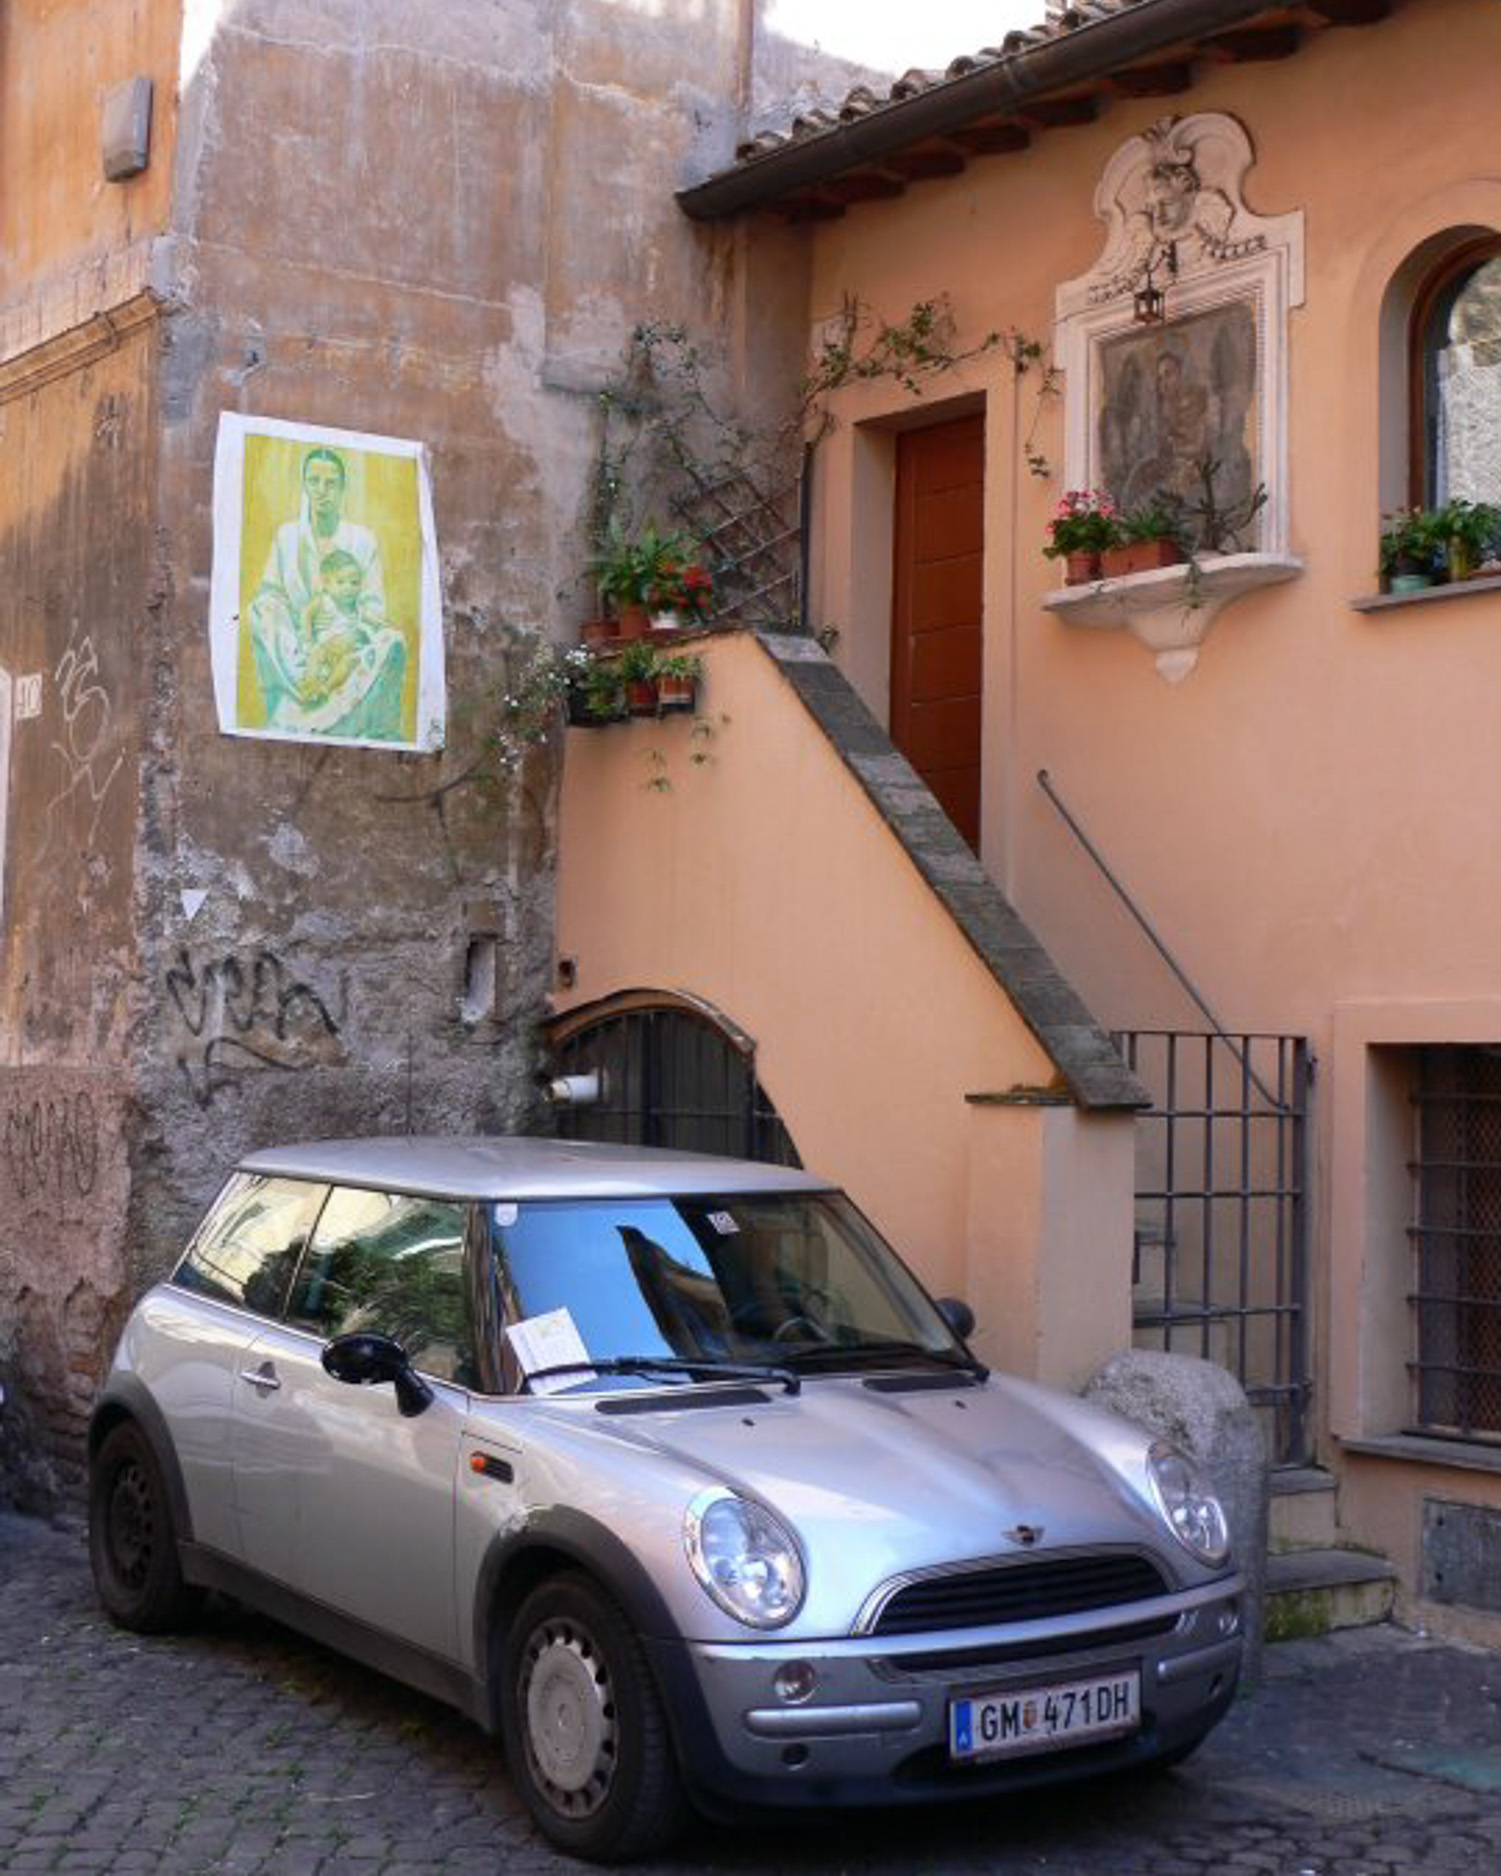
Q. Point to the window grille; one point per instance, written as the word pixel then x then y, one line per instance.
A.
pixel 672 1079
pixel 1456 1238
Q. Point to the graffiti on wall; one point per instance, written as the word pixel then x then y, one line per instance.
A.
pixel 52 1154
pixel 86 749
pixel 245 1013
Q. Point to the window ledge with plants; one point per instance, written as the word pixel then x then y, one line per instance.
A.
pixel 1162 572
pixel 1437 554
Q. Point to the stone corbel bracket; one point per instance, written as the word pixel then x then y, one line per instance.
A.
pixel 1171 609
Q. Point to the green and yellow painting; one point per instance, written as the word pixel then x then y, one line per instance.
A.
pixel 330 601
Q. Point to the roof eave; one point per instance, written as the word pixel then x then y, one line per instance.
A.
pixel 1087 53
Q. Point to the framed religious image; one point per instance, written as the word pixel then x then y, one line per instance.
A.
pixel 325 619
pixel 1171 398
pixel 1174 344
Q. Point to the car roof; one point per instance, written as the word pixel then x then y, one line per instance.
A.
pixel 511 1167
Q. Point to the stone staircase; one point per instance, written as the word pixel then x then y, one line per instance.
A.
pixel 1314 1583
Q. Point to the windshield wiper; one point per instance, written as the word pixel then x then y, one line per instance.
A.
pixel 672 1364
pixel 856 1353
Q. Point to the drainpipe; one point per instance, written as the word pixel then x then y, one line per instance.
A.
pixel 1087 52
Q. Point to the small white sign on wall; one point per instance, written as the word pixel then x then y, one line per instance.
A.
pixel 28 696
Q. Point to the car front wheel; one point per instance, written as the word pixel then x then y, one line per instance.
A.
pixel 132 1545
pixel 585 1735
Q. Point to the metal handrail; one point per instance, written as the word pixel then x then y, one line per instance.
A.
pixel 1044 782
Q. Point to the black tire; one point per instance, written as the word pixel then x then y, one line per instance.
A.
pixel 600 1780
pixel 132 1545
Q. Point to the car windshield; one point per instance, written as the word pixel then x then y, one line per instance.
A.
pixel 785 1280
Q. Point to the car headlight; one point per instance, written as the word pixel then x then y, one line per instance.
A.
pixel 1188 1502
pixel 745 1558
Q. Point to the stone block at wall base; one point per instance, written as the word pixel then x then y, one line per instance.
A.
pixel 1202 1409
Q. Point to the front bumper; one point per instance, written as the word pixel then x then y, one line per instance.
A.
pixel 874 1730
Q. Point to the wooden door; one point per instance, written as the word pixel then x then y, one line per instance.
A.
pixel 936 648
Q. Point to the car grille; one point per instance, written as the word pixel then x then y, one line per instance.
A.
pixel 1018 1592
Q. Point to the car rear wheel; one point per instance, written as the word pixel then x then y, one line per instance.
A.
pixel 132 1545
pixel 585 1735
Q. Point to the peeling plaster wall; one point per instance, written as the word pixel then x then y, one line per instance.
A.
pixel 437 222
pixel 75 602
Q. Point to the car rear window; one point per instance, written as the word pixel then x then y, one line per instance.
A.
pixel 247 1248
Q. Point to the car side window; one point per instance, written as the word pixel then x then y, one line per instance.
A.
pixel 246 1250
pixel 392 1263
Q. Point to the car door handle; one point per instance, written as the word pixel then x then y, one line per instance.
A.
pixel 262 1377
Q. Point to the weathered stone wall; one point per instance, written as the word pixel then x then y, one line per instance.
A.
pixel 437 223
pixel 63 1192
pixel 76 589
pixel 427 221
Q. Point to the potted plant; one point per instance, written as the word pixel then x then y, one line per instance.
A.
pixel 529 711
pixel 1472 532
pixel 631 567
pixel 1208 524
pixel 637 669
pixel 1084 526
pixel 681 594
pixel 1150 537
pixel 1413 545
pixel 678 675
pixel 597 697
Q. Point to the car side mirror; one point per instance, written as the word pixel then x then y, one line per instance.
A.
pixel 366 1360
pixel 958 1315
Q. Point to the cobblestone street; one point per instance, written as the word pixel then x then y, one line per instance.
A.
pixel 240 1748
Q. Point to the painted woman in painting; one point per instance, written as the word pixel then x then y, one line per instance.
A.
pixel 328 660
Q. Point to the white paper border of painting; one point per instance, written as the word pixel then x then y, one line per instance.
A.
pixel 224 580
pixel 1264 282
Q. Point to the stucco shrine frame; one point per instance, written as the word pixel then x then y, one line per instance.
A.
pixel 1225 253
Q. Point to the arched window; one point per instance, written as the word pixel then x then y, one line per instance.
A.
pixel 673 1074
pixel 1454 375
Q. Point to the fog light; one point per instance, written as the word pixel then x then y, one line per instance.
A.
pixel 1229 1619
pixel 795 1680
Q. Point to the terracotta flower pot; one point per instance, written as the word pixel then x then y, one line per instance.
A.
pixel 1079 569
pixel 1140 557
pixel 677 693
pixel 635 621
pixel 641 696
pixel 582 717
pixel 595 632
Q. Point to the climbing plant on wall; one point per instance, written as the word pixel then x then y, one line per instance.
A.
pixel 671 444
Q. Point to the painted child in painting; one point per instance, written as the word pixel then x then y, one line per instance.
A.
pixel 333 627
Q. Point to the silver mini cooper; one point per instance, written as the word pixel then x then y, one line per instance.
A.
pixel 664 1468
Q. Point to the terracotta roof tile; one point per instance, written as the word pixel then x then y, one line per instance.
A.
pixel 862 100
pixel 1032 70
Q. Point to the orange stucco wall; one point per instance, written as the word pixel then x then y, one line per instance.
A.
pixel 69 53
pixel 1306 819
pixel 762 880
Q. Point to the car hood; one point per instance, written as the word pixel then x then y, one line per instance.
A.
pixel 877 1483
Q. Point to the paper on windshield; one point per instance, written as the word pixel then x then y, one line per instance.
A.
pixel 551 1340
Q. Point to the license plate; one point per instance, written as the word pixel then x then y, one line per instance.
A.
pixel 1034 1719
